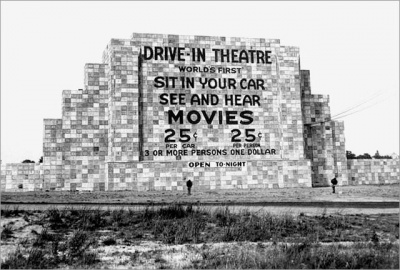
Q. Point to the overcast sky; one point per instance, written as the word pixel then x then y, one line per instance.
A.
pixel 351 49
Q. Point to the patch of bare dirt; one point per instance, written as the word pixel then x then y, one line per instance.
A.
pixel 343 193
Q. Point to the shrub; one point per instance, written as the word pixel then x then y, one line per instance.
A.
pixel 187 230
pixel 255 228
pixel 77 243
pixel 88 258
pixel 36 259
pixel 119 218
pixel 299 256
pixel 333 222
pixel 173 211
pixel 223 216
pixel 6 232
pixel 15 260
pixel 55 218
pixel 109 241
pixel 89 219
pixel 8 212
pixel 43 238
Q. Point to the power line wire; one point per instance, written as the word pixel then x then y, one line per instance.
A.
pixel 335 118
pixel 360 104
pixel 338 117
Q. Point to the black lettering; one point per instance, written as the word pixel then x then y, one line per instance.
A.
pixel 164 99
pixel 201 54
pixel 252 55
pixel 190 82
pixel 195 100
pixel 234 56
pixel 260 84
pixel 220 117
pixel 228 100
pixel 172 116
pixel 246 115
pixel 203 83
pixel 180 54
pixel 230 118
pixel 216 54
pixel 243 56
pixel 260 57
pixel 241 83
pixel 189 117
pixel 224 56
pixel 256 100
pixel 212 83
pixel 158 51
pixel 211 118
pixel 147 53
pixel 268 57
pixel 231 83
pixel 159 82
pixel 172 53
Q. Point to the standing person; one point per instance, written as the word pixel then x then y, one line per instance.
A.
pixel 334 183
pixel 189 185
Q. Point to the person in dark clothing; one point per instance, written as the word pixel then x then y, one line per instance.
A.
pixel 334 183
pixel 189 185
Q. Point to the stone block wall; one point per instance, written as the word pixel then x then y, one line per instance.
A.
pixel 20 177
pixel 170 175
pixel 85 129
pixel 339 152
pixel 136 115
pixel 373 171
pixel 323 138
pixel 111 130
pixel 279 116
pixel 121 59
pixel 53 151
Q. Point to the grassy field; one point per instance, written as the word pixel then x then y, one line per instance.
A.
pixel 178 236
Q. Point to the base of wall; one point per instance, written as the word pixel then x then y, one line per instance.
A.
pixel 143 176
pixel 223 174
